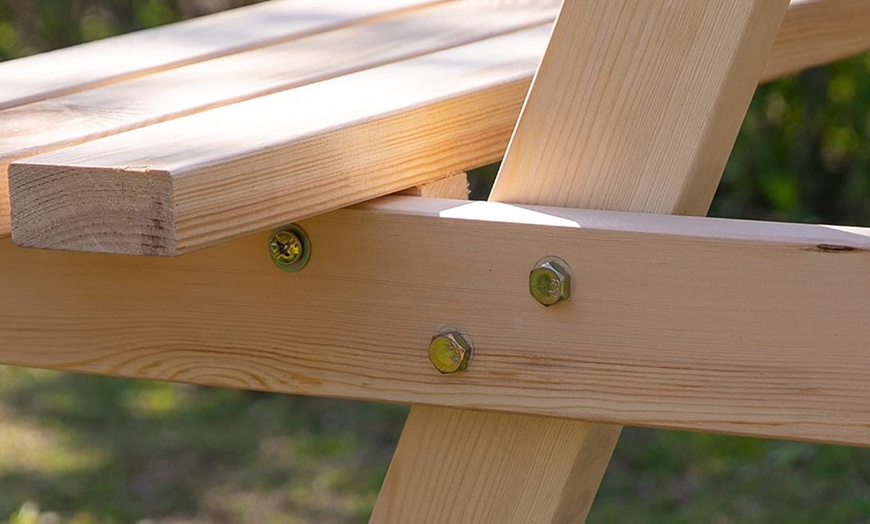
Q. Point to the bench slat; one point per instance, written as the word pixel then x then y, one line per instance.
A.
pixel 188 183
pixel 818 32
pixel 72 119
pixel 813 31
pixel 84 66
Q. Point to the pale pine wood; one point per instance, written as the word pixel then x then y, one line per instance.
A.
pixel 453 186
pixel 627 87
pixel 817 32
pixel 468 456
pixel 652 119
pixel 417 444
pixel 177 186
pixel 835 28
pixel 599 51
pixel 81 67
pixel 765 334
pixel 73 119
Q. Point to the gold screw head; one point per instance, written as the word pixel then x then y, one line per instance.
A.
pixel 449 352
pixel 289 248
pixel 550 282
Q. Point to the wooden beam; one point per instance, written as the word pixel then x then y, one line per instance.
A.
pixel 676 322
pixel 454 186
pixel 73 119
pixel 421 433
pixel 658 149
pixel 97 63
pixel 818 32
pixel 833 29
pixel 505 469
pixel 181 185
pixel 638 111
pixel 509 453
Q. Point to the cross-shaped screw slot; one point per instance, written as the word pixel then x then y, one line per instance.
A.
pixel 289 248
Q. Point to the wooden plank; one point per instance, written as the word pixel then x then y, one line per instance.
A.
pixel 788 55
pixel 73 119
pixel 453 186
pixel 765 335
pixel 508 451
pixel 96 63
pixel 636 112
pixel 177 186
pixel 818 32
pixel 660 149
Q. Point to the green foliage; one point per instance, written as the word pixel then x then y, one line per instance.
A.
pixel 803 154
pixel 33 26
pixel 97 450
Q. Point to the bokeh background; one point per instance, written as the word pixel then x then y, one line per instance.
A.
pixel 82 449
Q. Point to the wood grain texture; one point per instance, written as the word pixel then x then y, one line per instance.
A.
pixel 765 333
pixel 96 63
pixel 831 27
pixel 453 186
pixel 181 185
pixel 422 420
pixel 73 119
pixel 818 32
pixel 659 90
pixel 605 100
pixel 457 464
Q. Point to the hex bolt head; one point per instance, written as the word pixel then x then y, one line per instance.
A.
pixel 449 352
pixel 289 248
pixel 550 282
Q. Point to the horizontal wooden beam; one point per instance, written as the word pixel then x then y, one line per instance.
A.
pixel 185 184
pixel 675 322
pixel 139 53
pixel 818 32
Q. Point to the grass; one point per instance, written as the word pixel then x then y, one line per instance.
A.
pixel 96 449
pixel 83 450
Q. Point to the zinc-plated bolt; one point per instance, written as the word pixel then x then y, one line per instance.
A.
pixel 550 281
pixel 450 352
pixel 289 248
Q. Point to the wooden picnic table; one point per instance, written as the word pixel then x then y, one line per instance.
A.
pixel 156 180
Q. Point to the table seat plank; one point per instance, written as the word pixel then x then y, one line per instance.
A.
pixel 72 119
pixel 181 185
pixel 96 63
pixel 813 31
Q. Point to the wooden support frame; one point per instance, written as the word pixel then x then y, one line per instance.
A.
pixel 775 344
pixel 607 87
pixel 647 97
pixel 624 162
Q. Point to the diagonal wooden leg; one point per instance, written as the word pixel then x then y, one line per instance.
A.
pixel 635 107
pixel 490 455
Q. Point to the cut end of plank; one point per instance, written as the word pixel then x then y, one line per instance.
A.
pixel 5 226
pixel 66 209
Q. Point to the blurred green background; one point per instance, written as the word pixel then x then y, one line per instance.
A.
pixel 97 450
